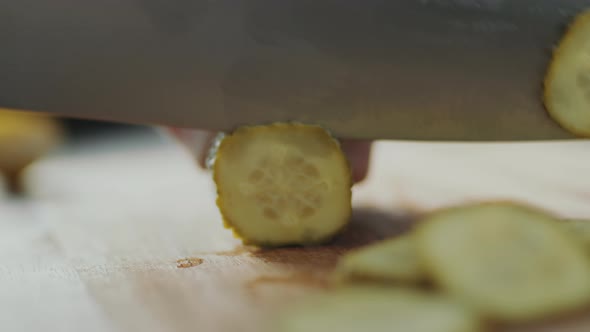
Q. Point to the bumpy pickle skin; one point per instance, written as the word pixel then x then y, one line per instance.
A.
pixel 282 184
pixel 511 262
pixel 378 309
pixel 567 82
pixel 390 261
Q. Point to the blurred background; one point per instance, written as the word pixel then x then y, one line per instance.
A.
pixel 28 138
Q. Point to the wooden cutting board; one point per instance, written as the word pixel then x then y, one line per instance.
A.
pixel 122 233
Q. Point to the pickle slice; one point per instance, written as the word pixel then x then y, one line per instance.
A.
pixel 283 184
pixel 567 83
pixel 580 228
pixel 511 262
pixel 392 260
pixel 375 309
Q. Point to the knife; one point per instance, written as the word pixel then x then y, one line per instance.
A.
pixel 438 70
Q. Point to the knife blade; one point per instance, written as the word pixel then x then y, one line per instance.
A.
pixel 442 70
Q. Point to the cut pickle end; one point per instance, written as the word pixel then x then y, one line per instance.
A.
pixel 375 309
pixel 392 260
pixel 567 84
pixel 283 184
pixel 513 263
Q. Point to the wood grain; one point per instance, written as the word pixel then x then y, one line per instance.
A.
pixel 95 247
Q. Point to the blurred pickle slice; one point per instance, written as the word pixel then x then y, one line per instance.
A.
pixel 283 184
pixel 24 138
pixel 392 260
pixel 512 263
pixel 580 228
pixel 567 83
pixel 376 309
